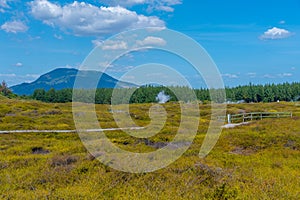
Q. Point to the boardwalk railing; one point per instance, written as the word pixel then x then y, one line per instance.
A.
pixel 245 117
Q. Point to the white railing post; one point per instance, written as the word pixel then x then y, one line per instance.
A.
pixel 229 119
pixel 257 116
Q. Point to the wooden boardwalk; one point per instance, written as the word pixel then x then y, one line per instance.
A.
pixel 246 117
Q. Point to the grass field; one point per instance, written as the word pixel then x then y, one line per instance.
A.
pixel 256 161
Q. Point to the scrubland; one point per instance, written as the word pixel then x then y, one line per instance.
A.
pixel 255 161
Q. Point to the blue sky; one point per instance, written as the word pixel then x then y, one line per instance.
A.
pixel 250 41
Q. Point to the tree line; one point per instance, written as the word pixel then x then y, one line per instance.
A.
pixel 148 94
pixel 265 93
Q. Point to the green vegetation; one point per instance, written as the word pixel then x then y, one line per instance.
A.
pixel 255 161
pixel 5 91
pixel 147 94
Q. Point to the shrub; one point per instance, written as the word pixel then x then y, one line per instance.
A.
pixel 62 160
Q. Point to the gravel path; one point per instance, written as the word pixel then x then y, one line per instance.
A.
pixel 69 131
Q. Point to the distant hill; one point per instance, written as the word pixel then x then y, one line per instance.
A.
pixel 63 78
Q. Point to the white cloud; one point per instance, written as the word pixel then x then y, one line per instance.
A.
pixel 114 45
pixel 44 10
pixel 14 27
pixel 69 66
pixel 84 19
pixel 31 76
pixel 230 75
pixel 3 4
pixel 268 76
pixel 105 64
pixel 282 22
pixel 251 74
pixel 285 75
pixel 14 79
pixel 163 5
pixel 149 41
pixel 19 64
pixel 97 42
pixel 59 37
pixel 276 33
pixel 165 8
pixel 124 3
pixel 138 2
pixel 282 75
pixel 152 5
pixel 8 75
pixel 118 69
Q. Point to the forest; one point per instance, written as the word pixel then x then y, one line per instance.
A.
pixel 147 94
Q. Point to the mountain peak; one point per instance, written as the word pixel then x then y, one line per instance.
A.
pixel 62 78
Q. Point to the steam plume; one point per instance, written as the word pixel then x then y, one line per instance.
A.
pixel 162 97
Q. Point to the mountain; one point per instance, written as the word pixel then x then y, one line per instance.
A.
pixel 62 78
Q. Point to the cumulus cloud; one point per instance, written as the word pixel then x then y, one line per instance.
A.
pixel 152 5
pixel 44 10
pixel 152 41
pixel 84 19
pixel 276 33
pixel 14 27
